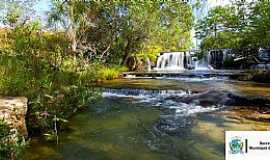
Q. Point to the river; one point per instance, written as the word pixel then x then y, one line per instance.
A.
pixel 159 119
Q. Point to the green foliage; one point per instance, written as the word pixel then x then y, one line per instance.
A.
pixel 113 31
pixel 38 66
pixel 99 72
pixel 56 84
pixel 242 25
pixel 258 32
pixel 89 73
pixel 14 79
pixel 11 144
pixel 16 12
pixel 111 72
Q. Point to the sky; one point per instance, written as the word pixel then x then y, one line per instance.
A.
pixel 42 8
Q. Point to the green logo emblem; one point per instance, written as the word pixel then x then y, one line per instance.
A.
pixel 236 145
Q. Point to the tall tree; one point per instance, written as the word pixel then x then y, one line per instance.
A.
pixel 115 30
pixel 259 27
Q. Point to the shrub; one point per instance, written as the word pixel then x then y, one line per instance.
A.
pixel 89 74
pixel 14 78
pixel 11 144
pixel 38 67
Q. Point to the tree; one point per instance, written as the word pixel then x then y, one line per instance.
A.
pixel 16 11
pixel 259 27
pixel 115 30
pixel 226 27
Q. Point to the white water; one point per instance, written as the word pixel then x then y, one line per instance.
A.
pixel 204 63
pixel 148 62
pixel 179 61
pixel 172 61
pixel 160 98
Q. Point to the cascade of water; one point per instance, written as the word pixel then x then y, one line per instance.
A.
pixel 204 63
pixel 218 57
pixel 175 61
pixel 172 61
pixel 142 93
pixel 181 102
pixel 148 64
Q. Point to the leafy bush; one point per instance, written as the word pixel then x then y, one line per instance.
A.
pixel 39 67
pixel 89 73
pixel 11 144
pixel 54 106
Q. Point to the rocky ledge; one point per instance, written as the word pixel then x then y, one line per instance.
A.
pixel 13 111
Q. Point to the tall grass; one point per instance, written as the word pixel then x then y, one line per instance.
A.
pixel 112 72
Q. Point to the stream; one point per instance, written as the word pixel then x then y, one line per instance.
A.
pixel 159 119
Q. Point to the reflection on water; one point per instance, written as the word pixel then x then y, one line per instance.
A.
pixel 157 119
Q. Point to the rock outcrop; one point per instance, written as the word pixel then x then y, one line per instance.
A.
pixel 13 111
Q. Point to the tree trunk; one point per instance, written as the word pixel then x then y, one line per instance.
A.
pixel 126 53
pixel 71 33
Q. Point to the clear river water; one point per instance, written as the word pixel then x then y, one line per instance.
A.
pixel 159 119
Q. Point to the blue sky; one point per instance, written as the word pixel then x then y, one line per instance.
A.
pixel 42 8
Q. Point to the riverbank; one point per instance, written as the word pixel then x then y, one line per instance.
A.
pixel 54 93
pixel 13 129
pixel 158 119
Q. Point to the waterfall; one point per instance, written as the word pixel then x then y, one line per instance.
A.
pixel 179 61
pixel 148 62
pixel 142 93
pixel 173 61
pixel 217 57
pixel 214 59
pixel 204 63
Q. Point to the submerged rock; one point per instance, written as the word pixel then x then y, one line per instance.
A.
pixel 175 126
pixel 246 112
pixel 13 111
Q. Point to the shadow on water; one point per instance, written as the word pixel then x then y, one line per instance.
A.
pixel 154 119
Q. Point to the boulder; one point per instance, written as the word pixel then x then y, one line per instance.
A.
pixel 13 111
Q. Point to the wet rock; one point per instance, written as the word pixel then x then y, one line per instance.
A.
pixel 250 113
pixel 175 126
pixel 13 111
pixel 248 101
pixel 220 98
pixel 204 99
